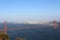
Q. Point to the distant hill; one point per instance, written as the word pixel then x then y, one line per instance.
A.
pixel 57 22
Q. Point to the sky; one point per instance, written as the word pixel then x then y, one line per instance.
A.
pixel 19 10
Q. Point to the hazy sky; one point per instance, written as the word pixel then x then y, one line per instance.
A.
pixel 16 10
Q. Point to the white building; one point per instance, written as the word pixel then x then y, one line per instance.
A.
pixel 35 22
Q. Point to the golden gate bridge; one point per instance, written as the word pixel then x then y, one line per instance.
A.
pixel 5 27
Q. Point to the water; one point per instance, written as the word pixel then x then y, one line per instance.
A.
pixel 46 32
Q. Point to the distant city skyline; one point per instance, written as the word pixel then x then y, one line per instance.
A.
pixel 20 10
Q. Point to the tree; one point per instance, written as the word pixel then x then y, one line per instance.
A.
pixel 19 39
pixel 3 36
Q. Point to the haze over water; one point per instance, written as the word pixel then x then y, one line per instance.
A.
pixel 33 31
pixel 41 32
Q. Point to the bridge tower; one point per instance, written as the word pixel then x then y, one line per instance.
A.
pixel 5 27
pixel 54 24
